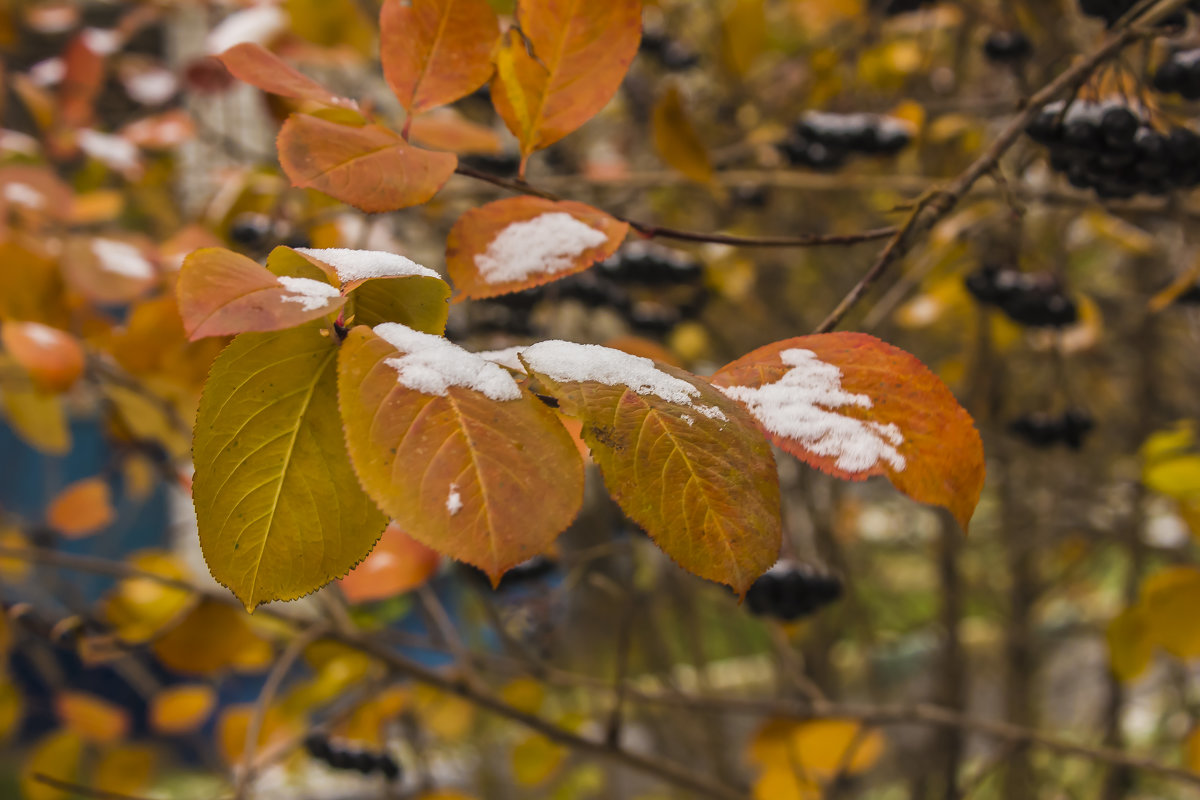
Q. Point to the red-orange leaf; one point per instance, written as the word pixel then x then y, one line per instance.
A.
pixel 222 292
pixel 683 461
pixel 451 448
pixel 854 406
pixel 519 242
pixel 581 51
pixel 398 564
pixel 53 358
pixel 262 69
pixel 81 509
pixel 369 167
pixel 436 51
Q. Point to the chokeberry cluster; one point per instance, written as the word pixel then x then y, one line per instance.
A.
pixel 1112 10
pixel 1111 148
pixel 343 756
pixel 1179 74
pixel 1045 430
pixel 653 287
pixel 789 591
pixel 825 140
pixel 1007 47
pixel 1035 299
pixel 671 54
pixel 257 233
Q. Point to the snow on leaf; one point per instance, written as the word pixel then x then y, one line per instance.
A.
pixel 682 460
pixel 221 292
pixel 361 265
pixel 520 242
pixel 432 364
pixel 854 406
pixel 109 270
pixel 422 417
pixel 258 24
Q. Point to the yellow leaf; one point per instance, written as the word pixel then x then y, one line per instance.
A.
pixel 535 759
pixel 820 749
pixel 211 638
pixel 745 30
pixel 181 709
pixel 13 570
pixel 369 721
pixel 525 694
pixel 676 140
pixel 1130 647
pixel 445 715
pixel 56 756
pixel 92 718
pixel 1171 597
pixel 139 608
pixel 234 724
pixel 38 417
pixel 124 770
pixel 783 782
pixel 11 708
pixel 1191 750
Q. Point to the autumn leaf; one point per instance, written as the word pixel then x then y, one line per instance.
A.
pixel 38 417
pixel 221 292
pixel 139 607
pixel 580 53
pixel 92 718
pixel 181 709
pixel 676 140
pixel 682 460
pixel 853 406
pixel 279 510
pixel 234 726
pixel 125 770
pixel 53 358
pixel 520 242
pixel 57 755
pixel 1130 646
pixel 82 508
pixel 368 167
pixel 211 638
pixel 259 67
pixel 109 270
pixel 446 129
pixel 452 449
pixel 384 287
pixel 398 564
pixel 797 757
pixel 436 51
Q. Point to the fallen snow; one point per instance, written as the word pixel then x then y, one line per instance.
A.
pixel 102 41
pixel 116 152
pixel 41 335
pixel 795 407
pixel 357 265
pixel 568 361
pixel 122 258
pixel 505 358
pixel 310 294
pixel 544 245
pixel 454 501
pixel 23 194
pixel 151 87
pixel 258 24
pixel 431 365
pixel 48 72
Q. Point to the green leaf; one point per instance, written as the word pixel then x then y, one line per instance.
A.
pixel 452 449
pixel 682 460
pixel 279 509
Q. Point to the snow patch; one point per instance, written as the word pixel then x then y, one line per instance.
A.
pixel 431 365
pixel 544 245
pixel 102 41
pixel 795 407
pixel 567 361
pixel 151 87
pixel 357 265
pixel 258 24
pixel 505 358
pixel 454 501
pixel 116 152
pixel 122 258
pixel 48 72
pixel 310 294
pixel 22 194
pixel 41 335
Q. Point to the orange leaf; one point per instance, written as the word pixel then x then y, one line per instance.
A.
pixel 369 167
pixel 211 638
pixel 519 242
pixel 259 67
pixel 234 725
pixel 222 292
pixel 446 129
pixel 82 508
pixel 436 51
pixel 92 718
pixel 451 448
pixel 853 406
pixel 580 53
pixel 82 78
pixel 53 358
pixel 682 460
pixel 181 709
pixel 398 564
pixel 109 270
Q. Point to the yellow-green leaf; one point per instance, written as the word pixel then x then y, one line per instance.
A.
pixel 676 140
pixel 279 510
pixel 681 459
